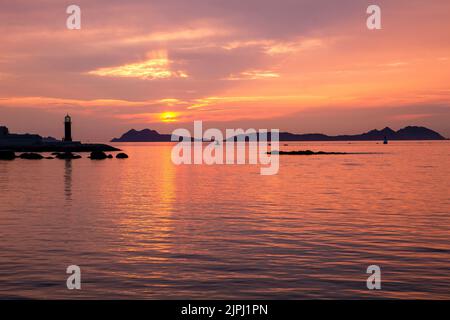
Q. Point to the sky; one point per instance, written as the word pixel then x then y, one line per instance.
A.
pixel 303 66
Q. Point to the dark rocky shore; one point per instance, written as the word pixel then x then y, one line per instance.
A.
pixel 95 155
pixel 81 147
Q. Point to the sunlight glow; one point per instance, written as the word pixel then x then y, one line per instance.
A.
pixel 168 117
pixel 156 67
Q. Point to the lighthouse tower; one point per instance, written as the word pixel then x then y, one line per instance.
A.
pixel 67 129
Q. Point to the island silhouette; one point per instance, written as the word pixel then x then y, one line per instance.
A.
pixel 407 133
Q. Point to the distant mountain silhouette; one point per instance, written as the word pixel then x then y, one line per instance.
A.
pixel 145 135
pixel 408 133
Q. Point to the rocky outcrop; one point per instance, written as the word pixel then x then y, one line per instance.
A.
pixel 67 156
pixel 121 156
pixel 98 155
pixel 305 153
pixel 31 156
pixel 7 155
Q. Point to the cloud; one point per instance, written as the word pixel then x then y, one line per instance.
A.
pixel 252 101
pixel 395 64
pixel 164 117
pixel 295 46
pixel 156 67
pixel 274 47
pixel 177 35
pixel 412 116
pixel 254 75
pixel 170 102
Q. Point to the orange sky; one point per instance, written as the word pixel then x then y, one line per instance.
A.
pixel 300 66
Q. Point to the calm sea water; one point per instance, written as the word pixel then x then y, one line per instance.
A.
pixel 144 228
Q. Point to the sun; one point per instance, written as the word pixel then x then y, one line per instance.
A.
pixel 168 117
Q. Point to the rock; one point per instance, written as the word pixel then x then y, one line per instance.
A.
pixel 110 156
pixel 98 155
pixel 31 156
pixel 121 156
pixel 68 156
pixel 49 158
pixel 306 153
pixel 7 155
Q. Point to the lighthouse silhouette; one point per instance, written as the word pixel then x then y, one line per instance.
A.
pixel 67 129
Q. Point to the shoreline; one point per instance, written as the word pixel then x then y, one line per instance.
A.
pixel 60 148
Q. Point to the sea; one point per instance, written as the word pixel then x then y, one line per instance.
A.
pixel 145 228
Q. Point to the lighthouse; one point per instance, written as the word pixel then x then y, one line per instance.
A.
pixel 67 129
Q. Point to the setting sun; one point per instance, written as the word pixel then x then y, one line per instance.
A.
pixel 168 117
